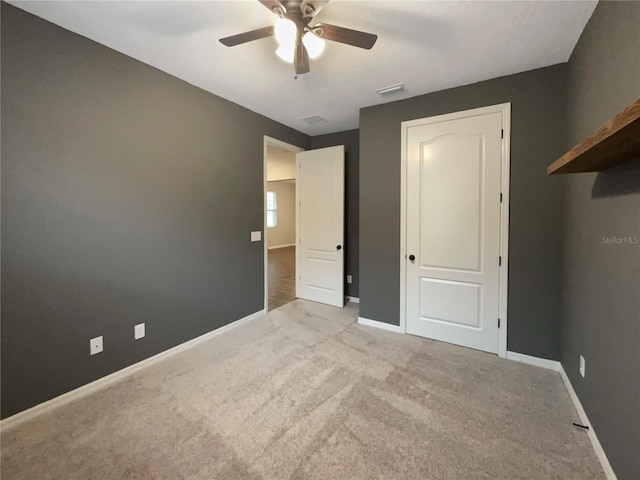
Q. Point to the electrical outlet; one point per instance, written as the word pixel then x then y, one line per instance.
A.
pixel 95 345
pixel 582 366
pixel 138 331
pixel 349 279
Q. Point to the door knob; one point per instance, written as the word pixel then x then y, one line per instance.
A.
pixel 412 257
pixel 339 247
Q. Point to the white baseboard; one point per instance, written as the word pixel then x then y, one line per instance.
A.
pixel 538 362
pixel 557 366
pixel 281 246
pixel 381 325
pixel 89 388
pixel 604 461
pixel 353 299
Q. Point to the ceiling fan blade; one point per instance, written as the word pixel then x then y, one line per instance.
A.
pixel 311 8
pixel 355 38
pixel 247 36
pixel 274 6
pixel 301 59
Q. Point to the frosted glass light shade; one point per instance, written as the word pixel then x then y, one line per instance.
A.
pixel 286 31
pixel 313 44
pixel 286 52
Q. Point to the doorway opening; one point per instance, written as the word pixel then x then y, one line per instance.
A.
pixel 280 222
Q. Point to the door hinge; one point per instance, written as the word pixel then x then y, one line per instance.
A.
pixel 500 197
pixel 502 133
pixel 498 323
pixel 499 261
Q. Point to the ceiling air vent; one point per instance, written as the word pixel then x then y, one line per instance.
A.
pixel 392 90
pixel 315 120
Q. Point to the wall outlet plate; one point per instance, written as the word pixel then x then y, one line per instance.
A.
pixel 582 366
pixel 138 331
pixel 256 236
pixel 349 279
pixel 95 345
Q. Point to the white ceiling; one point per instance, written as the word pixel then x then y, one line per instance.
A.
pixel 427 45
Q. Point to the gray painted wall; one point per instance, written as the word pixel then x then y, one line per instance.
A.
pixel 601 281
pixel 128 196
pixel 350 140
pixel 535 245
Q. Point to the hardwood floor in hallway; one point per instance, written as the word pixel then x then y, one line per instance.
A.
pixel 282 272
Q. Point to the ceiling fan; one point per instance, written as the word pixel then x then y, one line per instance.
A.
pixel 298 39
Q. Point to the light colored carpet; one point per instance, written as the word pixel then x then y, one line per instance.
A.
pixel 305 393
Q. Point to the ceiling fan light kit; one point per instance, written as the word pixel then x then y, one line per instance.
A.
pixel 299 41
pixel 286 31
pixel 313 44
pixel 287 52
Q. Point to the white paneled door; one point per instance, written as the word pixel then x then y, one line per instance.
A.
pixel 453 227
pixel 320 252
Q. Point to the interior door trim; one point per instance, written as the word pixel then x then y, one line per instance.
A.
pixel 505 109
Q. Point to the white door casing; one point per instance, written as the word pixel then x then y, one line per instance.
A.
pixel 454 224
pixel 320 225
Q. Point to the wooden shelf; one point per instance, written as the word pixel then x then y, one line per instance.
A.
pixel 615 142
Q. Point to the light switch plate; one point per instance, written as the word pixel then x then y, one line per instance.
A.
pixel 256 236
pixel 138 331
pixel 349 279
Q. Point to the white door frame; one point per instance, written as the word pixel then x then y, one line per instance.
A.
pixel 505 109
pixel 274 142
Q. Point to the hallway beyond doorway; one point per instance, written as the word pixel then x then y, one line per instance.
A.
pixel 282 273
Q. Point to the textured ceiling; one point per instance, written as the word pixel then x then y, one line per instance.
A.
pixel 427 45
